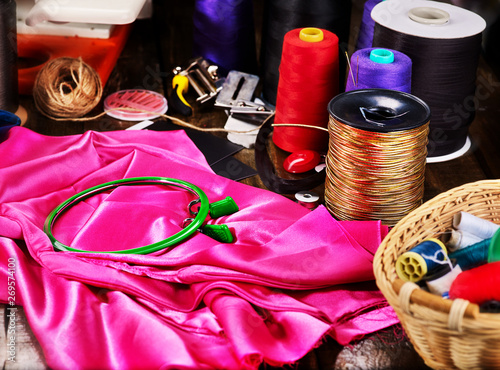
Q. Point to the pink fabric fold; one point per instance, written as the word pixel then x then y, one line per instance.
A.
pixel 290 277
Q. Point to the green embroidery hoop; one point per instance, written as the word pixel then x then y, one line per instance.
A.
pixel 216 209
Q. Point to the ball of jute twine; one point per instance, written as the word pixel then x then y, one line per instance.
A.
pixel 67 88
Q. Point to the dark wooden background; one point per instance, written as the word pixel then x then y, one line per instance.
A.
pixel 153 49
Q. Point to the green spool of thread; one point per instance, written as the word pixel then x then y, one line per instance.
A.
pixel 485 251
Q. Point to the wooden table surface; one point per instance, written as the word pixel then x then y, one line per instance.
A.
pixel 153 49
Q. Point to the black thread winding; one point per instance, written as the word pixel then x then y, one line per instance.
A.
pixel 9 95
pixel 444 76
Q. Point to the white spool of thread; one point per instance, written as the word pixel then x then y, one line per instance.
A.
pixel 308 199
pixel 477 226
pixel 442 284
pixel 460 239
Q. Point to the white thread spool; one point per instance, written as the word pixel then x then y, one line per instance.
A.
pixel 460 239
pixel 477 226
pixel 441 284
pixel 307 199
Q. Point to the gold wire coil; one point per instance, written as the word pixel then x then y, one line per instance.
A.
pixel 374 175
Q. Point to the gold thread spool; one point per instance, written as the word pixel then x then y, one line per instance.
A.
pixel 374 175
pixel 67 88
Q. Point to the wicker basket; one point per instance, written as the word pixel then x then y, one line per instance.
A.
pixel 447 334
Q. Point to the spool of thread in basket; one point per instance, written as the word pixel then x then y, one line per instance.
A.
pixel 308 81
pixel 485 251
pixel 440 281
pixel 459 239
pixel 468 230
pixel 478 285
pixel 428 255
pixel 380 68
pixel 376 158
pixel 477 226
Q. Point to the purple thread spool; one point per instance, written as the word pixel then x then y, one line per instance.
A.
pixel 365 35
pixel 224 33
pixel 376 68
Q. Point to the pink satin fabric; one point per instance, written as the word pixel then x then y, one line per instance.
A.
pixel 291 277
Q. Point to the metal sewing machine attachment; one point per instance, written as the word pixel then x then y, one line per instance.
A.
pixel 237 95
pixel 203 76
pixel 245 114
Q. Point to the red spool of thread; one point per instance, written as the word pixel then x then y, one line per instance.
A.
pixel 478 285
pixel 309 75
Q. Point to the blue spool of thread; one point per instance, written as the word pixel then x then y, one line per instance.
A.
pixel 224 33
pixel 485 251
pixel 427 256
pixel 365 35
pixel 7 121
pixel 379 68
